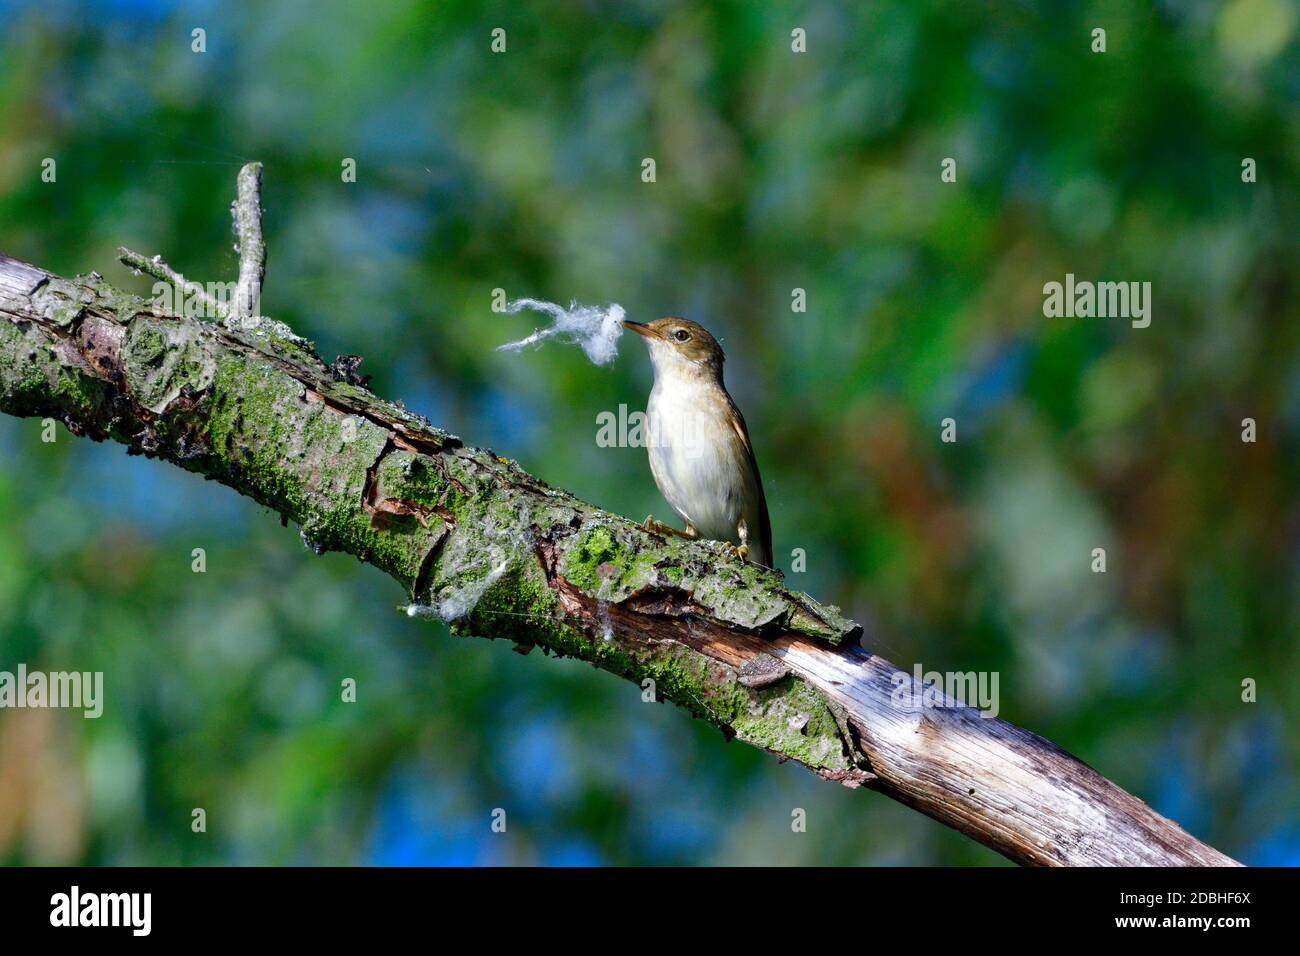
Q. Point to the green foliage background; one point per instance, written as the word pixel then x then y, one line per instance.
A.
pixel 775 171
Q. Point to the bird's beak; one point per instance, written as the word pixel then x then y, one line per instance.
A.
pixel 640 328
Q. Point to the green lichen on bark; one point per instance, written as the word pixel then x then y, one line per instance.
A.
pixel 37 378
pixel 162 358
pixel 418 482
pixel 616 560
pixel 789 718
pixel 310 462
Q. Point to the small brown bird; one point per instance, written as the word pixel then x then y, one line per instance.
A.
pixel 700 453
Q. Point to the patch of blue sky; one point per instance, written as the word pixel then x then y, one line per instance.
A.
pixel 985 388
pixel 416 826
pixel 571 853
pixel 538 762
pixel 162 498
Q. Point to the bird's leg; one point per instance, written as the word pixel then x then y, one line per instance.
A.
pixel 658 527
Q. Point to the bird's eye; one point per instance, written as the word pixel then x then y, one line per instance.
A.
pixel 681 335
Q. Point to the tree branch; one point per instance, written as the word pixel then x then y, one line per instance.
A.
pixel 154 266
pixel 247 214
pixel 498 553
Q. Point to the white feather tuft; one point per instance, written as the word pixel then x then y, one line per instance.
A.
pixel 594 328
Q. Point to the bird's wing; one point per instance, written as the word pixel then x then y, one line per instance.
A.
pixel 764 536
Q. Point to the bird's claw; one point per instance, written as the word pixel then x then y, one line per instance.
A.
pixel 736 550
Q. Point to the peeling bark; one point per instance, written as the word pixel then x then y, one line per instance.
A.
pixel 501 554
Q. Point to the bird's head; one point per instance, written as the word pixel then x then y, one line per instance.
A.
pixel 679 346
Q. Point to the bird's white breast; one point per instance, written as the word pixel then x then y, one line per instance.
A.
pixel 696 456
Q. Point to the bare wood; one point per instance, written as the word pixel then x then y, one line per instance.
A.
pixel 156 267
pixel 247 214
pixel 498 553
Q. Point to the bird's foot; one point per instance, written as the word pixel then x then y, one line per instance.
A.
pixel 655 526
pixel 736 550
